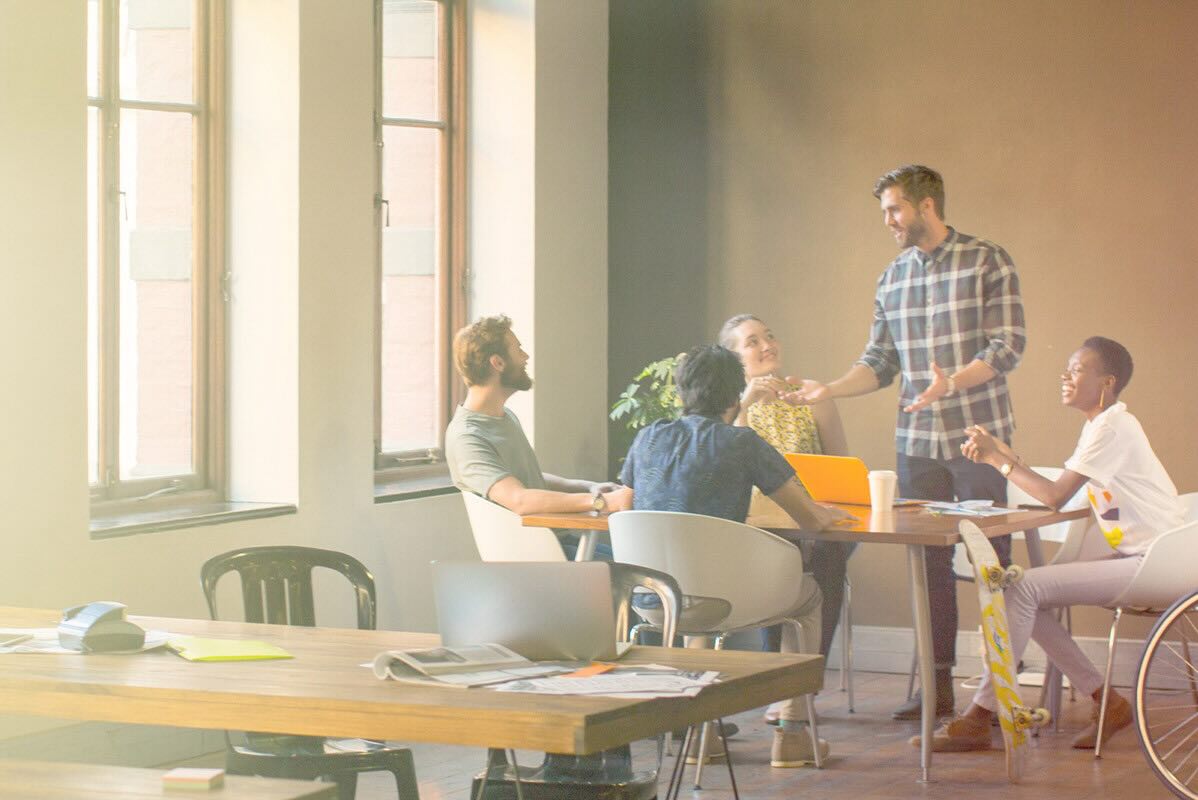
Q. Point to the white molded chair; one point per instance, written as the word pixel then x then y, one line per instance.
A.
pixel 1168 571
pixel 499 536
pixel 733 576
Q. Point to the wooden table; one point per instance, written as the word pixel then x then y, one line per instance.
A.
pixel 912 526
pixel 52 780
pixel 325 691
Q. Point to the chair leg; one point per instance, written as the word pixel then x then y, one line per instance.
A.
pixel 405 777
pixel 1106 683
pixel 911 675
pixel 813 729
pixel 347 785
pixel 704 738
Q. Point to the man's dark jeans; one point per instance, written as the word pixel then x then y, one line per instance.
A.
pixel 956 479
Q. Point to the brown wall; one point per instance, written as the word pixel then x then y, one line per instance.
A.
pixel 1065 132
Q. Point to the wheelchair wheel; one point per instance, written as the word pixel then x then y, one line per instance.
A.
pixel 1166 698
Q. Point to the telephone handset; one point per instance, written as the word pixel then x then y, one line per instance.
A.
pixel 98 628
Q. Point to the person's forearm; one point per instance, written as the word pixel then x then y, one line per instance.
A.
pixel 859 380
pixel 796 502
pixel 559 484
pixel 1052 493
pixel 831 432
pixel 546 501
pixel 975 373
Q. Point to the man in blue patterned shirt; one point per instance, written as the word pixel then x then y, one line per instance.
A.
pixel 948 319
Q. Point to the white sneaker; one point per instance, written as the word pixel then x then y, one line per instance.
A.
pixel 793 749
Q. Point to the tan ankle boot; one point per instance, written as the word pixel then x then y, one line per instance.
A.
pixel 1118 717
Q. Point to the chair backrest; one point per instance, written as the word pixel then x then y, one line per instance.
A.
pixel 1191 506
pixel 276 583
pixel 499 536
pixel 625 578
pixel 1168 571
pixel 757 573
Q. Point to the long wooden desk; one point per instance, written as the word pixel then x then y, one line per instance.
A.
pixel 52 780
pixel 325 691
pixel 912 526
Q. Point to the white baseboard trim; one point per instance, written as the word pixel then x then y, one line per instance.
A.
pixel 885 649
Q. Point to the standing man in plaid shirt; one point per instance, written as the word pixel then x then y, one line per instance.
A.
pixel 947 318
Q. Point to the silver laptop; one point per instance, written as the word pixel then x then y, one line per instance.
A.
pixel 544 610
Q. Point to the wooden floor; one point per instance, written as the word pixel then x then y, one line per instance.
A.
pixel 870 759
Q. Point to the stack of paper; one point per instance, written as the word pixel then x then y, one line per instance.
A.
pixel 652 680
pixel 968 508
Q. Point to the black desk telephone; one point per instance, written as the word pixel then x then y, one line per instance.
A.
pixel 98 628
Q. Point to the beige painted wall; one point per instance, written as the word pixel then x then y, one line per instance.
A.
pixel 1064 131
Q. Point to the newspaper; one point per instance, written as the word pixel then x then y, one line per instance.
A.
pixel 640 682
pixel 470 665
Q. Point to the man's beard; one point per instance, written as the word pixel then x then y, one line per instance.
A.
pixel 516 378
pixel 915 232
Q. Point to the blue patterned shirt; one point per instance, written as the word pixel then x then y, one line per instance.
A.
pixel 701 465
pixel 951 306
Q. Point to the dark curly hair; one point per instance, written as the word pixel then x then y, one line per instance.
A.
pixel 709 379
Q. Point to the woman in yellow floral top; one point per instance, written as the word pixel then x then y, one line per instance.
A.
pixel 791 428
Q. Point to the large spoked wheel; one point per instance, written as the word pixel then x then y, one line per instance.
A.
pixel 1166 701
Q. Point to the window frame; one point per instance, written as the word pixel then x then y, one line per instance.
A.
pixel 111 495
pixel 452 272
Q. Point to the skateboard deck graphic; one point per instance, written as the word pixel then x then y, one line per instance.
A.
pixel 1014 718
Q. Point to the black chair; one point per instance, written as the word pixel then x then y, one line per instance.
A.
pixel 276 586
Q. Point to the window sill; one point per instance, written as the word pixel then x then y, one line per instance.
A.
pixel 411 483
pixel 127 522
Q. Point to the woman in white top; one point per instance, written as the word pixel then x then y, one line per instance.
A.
pixel 1134 501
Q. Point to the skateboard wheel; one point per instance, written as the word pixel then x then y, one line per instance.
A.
pixel 1040 716
pixel 1022 720
pixel 1014 574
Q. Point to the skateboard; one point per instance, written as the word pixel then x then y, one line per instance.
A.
pixel 1014 718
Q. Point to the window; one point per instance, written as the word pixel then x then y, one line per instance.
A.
pixel 420 232
pixel 153 256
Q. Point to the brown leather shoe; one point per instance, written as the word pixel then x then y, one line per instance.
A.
pixel 959 735
pixel 1118 717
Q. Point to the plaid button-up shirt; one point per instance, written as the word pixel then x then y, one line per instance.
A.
pixel 951 306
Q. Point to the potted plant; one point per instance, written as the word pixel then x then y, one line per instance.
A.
pixel 651 396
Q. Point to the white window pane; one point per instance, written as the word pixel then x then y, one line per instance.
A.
pixel 93 48
pixel 410 255
pixel 156 50
pixel 156 353
pixel 93 295
pixel 411 59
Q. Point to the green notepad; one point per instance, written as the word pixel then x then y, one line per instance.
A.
pixel 196 648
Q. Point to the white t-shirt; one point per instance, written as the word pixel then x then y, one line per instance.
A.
pixel 1133 498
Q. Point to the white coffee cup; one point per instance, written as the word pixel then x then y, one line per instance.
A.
pixel 882 483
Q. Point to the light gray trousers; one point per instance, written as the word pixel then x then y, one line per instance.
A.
pixel 1030 606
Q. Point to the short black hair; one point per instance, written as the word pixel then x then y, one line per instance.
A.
pixel 1115 359
pixel 709 379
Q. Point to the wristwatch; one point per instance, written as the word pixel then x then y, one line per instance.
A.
pixel 598 503
pixel 1005 469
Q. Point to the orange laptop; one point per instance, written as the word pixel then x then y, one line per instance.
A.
pixel 835 479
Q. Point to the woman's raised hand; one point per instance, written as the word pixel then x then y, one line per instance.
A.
pixel 763 387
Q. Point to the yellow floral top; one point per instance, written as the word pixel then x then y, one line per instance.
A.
pixel 786 428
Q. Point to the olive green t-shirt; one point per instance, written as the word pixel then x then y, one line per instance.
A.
pixel 482 450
